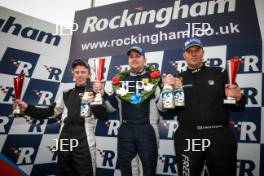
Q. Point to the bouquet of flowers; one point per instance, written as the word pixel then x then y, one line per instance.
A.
pixel 148 84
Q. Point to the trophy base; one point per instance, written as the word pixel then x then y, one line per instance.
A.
pixel 96 103
pixel 17 115
pixel 86 115
pixel 179 104
pixel 98 100
pixel 229 101
pixel 168 106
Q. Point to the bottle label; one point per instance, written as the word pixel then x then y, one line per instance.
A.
pixel 167 99
pixel 85 109
pixel 179 95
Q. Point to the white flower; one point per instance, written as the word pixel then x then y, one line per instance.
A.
pixel 122 91
pixel 148 87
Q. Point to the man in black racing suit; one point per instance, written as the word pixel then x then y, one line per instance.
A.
pixel 204 121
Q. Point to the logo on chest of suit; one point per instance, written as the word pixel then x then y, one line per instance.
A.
pixel 211 82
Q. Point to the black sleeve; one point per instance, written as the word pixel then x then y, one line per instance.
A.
pixel 239 106
pixel 40 113
pixel 112 100
pixel 99 112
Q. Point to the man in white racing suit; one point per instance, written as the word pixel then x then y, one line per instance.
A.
pixel 81 160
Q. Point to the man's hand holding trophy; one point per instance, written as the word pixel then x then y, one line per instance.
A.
pixel 232 91
pixel 93 95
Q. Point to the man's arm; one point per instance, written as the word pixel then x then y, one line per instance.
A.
pixel 240 105
pixel 41 113
pixel 111 102
pixel 51 111
pixel 99 112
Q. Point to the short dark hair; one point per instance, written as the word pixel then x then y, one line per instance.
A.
pixel 77 62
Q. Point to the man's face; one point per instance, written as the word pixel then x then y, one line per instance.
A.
pixel 136 61
pixel 193 56
pixel 80 74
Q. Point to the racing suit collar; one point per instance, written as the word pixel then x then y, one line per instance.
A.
pixel 80 87
pixel 138 73
pixel 196 70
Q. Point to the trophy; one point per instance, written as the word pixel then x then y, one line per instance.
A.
pixel 99 71
pixel 179 100
pixel 18 85
pixel 232 69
